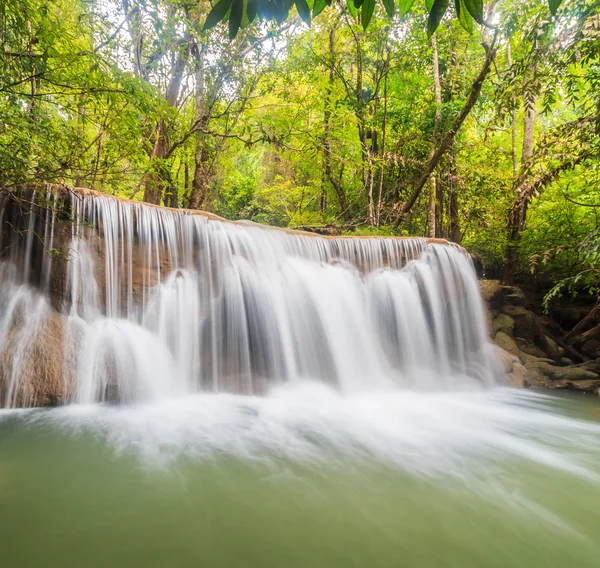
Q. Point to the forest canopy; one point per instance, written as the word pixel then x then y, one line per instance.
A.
pixel 477 122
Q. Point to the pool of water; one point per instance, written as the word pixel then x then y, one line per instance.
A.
pixel 305 478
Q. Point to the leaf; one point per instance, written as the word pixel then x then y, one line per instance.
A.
pixel 429 4
pixel 235 18
pixel 352 8
pixel 368 8
pixel 216 14
pixel 390 7
pixel 475 8
pixel 436 14
pixel 404 7
pixel 463 15
pixel 554 6
pixel 358 3
pixel 318 7
pixel 251 10
pixel 303 10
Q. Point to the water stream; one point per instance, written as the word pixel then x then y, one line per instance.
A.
pixel 238 396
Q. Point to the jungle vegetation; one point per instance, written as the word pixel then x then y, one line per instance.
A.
pixel 476 122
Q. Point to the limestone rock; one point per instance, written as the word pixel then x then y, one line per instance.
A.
pixel 555 373
pixel 553 349
pixel 506 343
pixel 503 323
pixel 37 365
pixel 491 292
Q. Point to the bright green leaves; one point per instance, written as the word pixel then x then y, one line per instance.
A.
pixel 554 6
pixel 404 7
pixel 475 8
pixel 239 13
pixel 217 14
pixel 318 7
pixel 368 7
pixel 303 10
pixel 235 17
pixel 390 7
pixel 436 13
pixel 463 15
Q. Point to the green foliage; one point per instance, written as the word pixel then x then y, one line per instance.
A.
pixel 329 125
pixel 278 10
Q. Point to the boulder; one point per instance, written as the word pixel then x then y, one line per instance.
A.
pixel 503 323
pixel 491 292
pixel 514 296
pixel 555 373
pixel 530 348
pixel 507 343
pixel 553 349
pixel 32 372
pixel 514 372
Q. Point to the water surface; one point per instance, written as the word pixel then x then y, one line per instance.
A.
pixel 305 478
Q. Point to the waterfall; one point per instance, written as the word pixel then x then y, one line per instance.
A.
pixel 103 299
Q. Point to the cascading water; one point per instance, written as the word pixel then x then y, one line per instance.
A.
pixel 290 400
pixel 156 303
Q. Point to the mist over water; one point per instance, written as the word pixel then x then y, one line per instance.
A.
pixel 238 396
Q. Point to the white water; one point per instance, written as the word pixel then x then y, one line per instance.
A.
pixel 159 303
pixel 292 400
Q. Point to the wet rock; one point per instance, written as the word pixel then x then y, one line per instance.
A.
pixel 553 349
pixel 31 368
pixel 514 372
pixel 507 343
pixel 530 348
pixel 491 291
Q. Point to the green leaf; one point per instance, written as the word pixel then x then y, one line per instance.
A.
pixel 251 10
pixel 554 6
pixel 429 4
pixel 390 7
pixel 368 8
pixel 404 7
pixel 318 7
pixel 358 3
pixel 235 18
pixel 463 15
pixel 216 14
pixel 475 8
pixel 303 10
pixel 438 9
pixel 352 8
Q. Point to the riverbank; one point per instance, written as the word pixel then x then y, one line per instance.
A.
pixel 542 350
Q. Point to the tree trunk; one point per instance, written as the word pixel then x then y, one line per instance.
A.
pixel 326 145
pixel 202 170
pixel 433 216
pixel 157 178
pixel 449 137
pixel 516 220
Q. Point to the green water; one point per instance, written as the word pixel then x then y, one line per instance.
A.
pixel 91 490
